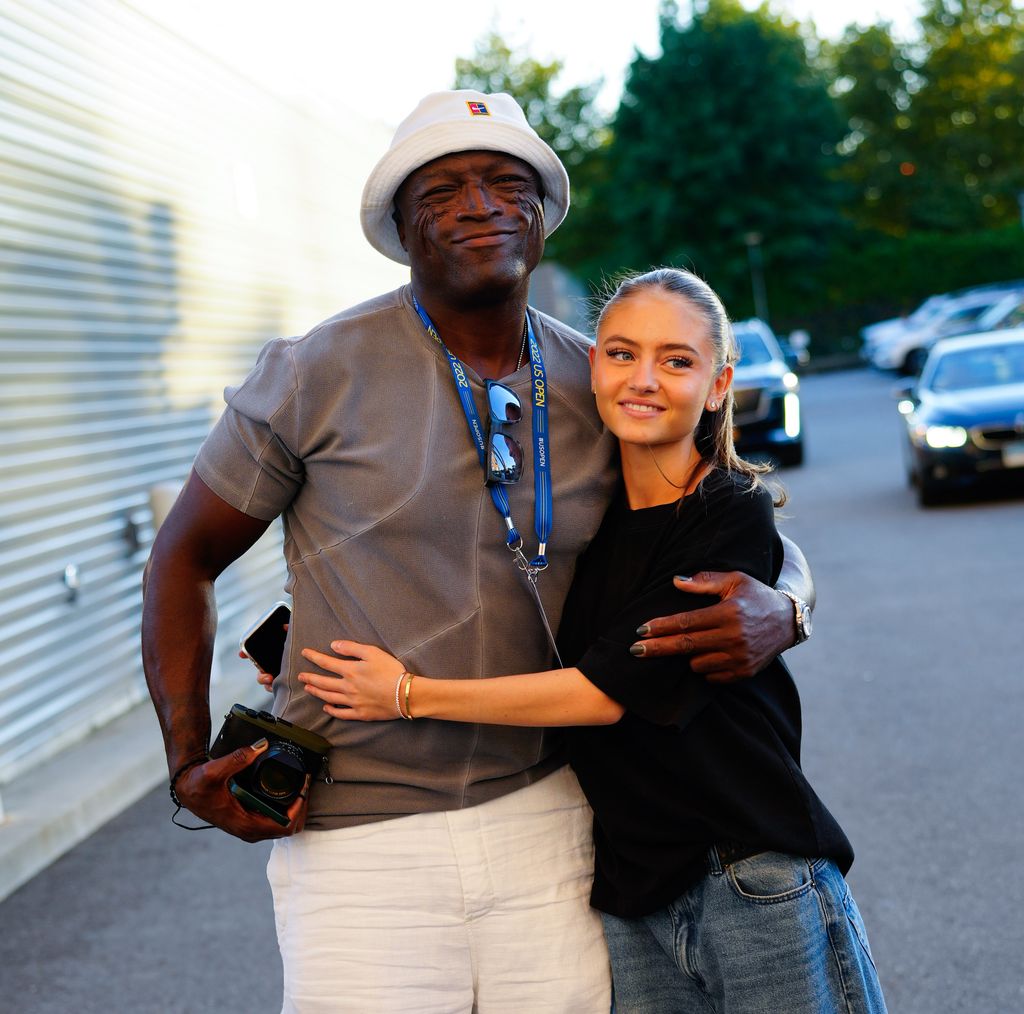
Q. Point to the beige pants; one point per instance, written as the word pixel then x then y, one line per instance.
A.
pixel 477 910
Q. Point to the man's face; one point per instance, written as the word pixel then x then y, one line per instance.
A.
pixel 472 224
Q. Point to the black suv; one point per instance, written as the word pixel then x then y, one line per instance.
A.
pixel 767 397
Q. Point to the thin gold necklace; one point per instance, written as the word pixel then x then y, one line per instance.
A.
pixel 693 471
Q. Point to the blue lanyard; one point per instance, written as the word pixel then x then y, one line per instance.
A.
pixel 542 504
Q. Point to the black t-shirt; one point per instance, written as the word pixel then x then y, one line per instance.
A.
pixel 690 764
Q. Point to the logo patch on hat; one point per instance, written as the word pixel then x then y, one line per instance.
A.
pixel 478 109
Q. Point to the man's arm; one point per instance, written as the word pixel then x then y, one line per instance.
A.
pixel 739 635
pixel 795 575
pixel 200 537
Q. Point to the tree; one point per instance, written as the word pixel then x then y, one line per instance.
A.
pixel 968 112
pixel 935 139
pixel 727 136
pixel 874 81
pixel 568 121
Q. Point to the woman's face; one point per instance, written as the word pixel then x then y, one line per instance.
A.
pixel 653 369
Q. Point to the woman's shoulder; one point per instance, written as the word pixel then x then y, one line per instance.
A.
pixel 724 488
pixel 739 512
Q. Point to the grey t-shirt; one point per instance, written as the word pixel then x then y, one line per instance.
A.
pixel 355 434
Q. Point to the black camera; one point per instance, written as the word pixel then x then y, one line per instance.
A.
pixel 270 784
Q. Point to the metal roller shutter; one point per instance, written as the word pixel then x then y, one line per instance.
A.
pixel 160 218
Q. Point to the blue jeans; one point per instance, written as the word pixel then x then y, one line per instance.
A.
pixel 772 934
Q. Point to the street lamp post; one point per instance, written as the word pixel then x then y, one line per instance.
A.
pixel 753 241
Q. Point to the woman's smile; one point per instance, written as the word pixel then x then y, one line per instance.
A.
pixel 640 409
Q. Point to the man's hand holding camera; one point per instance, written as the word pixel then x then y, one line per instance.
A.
pixel 205 790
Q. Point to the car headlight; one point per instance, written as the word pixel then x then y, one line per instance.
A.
pixel 945 436
pixel 790 381
pixel 791 415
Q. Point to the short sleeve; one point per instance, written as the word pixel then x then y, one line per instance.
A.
pixel 737 532
pixel 250 459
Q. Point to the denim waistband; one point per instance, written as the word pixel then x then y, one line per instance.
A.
pixel 726 853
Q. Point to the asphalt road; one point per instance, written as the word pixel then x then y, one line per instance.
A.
pixel 912 694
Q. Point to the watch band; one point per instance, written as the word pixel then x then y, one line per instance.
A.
pixel 802 616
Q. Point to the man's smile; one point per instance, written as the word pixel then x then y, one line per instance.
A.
pixel 492 237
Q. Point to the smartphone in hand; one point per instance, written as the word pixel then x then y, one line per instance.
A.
pixel 264 641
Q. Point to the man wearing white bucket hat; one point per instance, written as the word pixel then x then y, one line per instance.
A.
pixel 446 867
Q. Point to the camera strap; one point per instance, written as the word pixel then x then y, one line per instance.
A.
pixel 174 793
pixel 186 827
pixel 325 771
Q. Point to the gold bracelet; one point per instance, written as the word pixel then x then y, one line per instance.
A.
pixel 408 687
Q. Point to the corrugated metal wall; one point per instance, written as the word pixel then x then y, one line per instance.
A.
pixel 160 218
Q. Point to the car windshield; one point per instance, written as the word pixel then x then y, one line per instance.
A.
pixel 1013 319
pixel 988 366
pixel 753 350
pixel 928 309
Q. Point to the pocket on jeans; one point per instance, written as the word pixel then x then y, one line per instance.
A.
pixel 770 877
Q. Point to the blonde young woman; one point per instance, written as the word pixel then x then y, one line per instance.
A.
pixel 718 871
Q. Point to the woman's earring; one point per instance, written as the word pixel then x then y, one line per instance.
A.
pixel 713 406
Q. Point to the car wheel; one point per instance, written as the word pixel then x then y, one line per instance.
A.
pixel 909 466
pixel 791 455
pixel 930 492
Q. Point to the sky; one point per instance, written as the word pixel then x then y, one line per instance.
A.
pixel 379 57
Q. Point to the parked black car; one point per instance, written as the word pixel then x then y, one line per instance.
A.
pixel 767 397
pixel 965 415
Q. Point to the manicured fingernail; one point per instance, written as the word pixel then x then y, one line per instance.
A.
pixel 679 577
pixel 261 744
pixel 638 649
pixel 643 630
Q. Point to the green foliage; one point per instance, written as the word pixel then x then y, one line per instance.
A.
pixel 875 276
pixel 729 132
pixel 935 137
pixel 874 78
pixel 908 269
pixel 969 112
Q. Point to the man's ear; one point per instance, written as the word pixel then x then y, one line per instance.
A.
pixel 396 217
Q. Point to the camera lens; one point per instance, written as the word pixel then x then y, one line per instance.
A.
pixel 280 772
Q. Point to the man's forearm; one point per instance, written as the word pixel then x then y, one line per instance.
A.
pixel 796 575
pixel 200 537
pixel 178 625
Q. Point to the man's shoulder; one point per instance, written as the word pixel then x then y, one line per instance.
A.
pixel 376 313
pixel 354 338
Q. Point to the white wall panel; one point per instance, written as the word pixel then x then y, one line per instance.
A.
pixel 160 218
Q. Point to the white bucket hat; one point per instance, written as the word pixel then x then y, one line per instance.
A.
pixel 447 122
